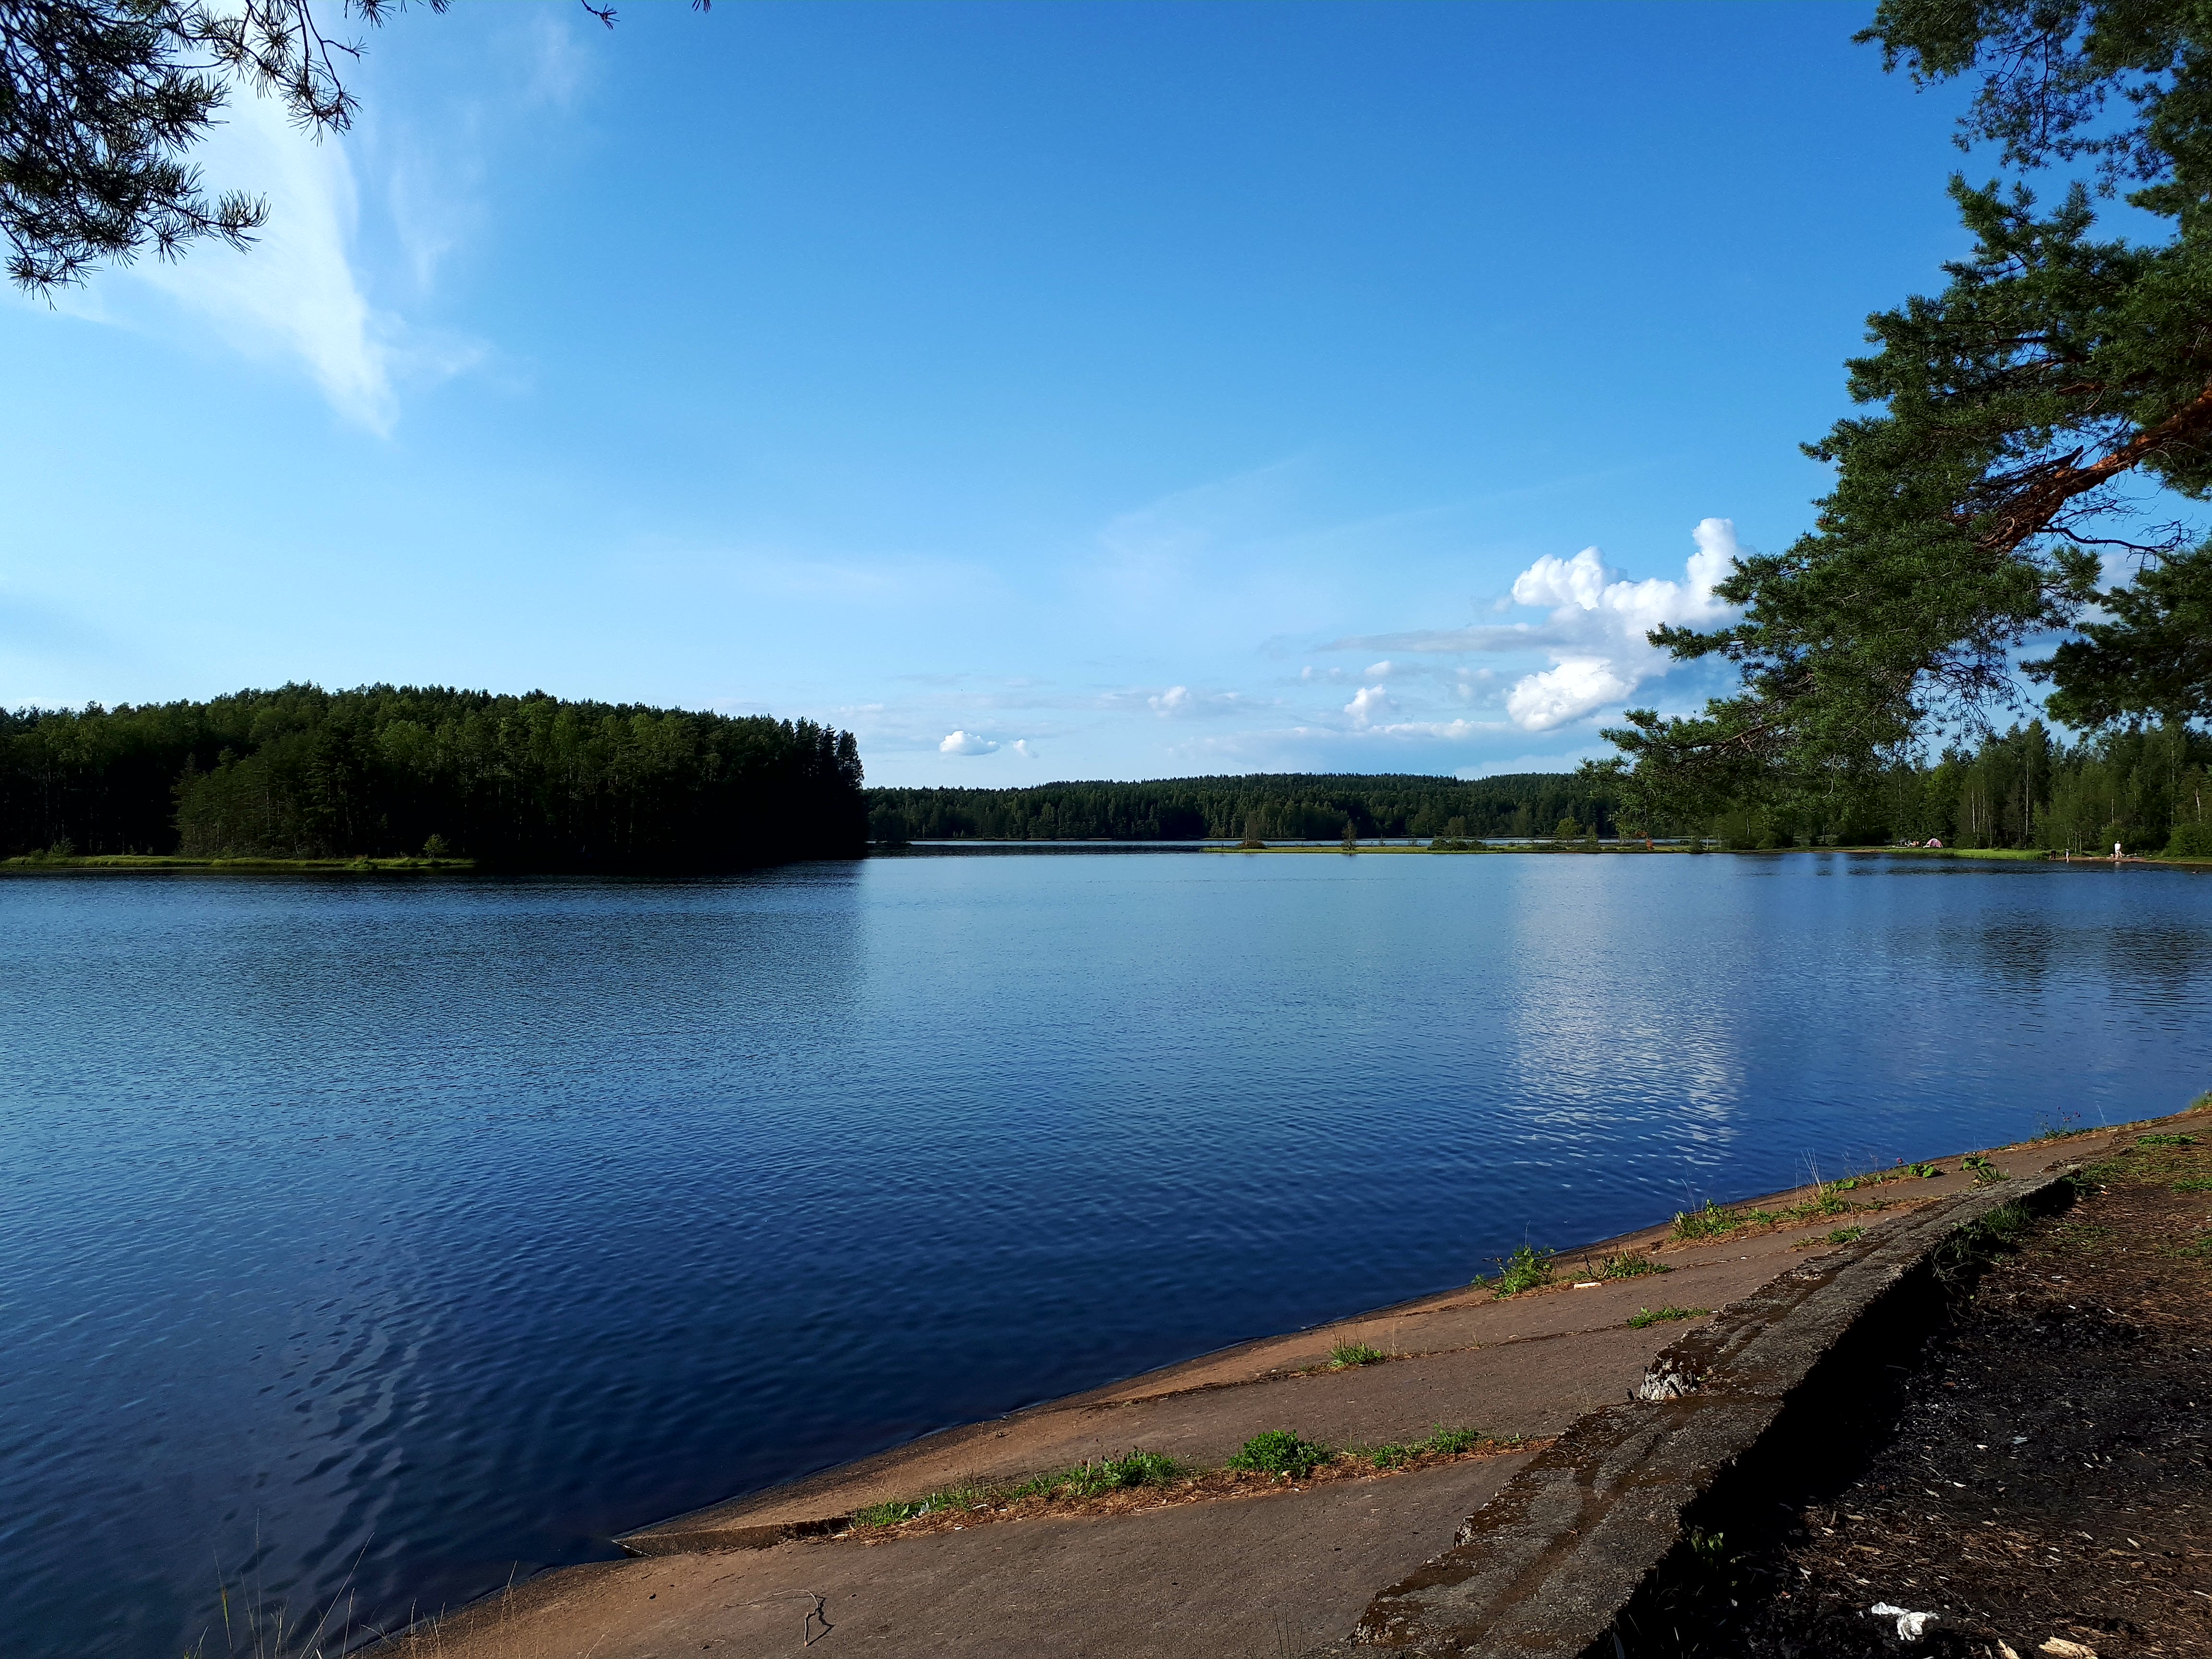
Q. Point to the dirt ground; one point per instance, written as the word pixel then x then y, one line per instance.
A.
pixel 2038 1478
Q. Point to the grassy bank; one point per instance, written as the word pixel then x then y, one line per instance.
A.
pixel 52 864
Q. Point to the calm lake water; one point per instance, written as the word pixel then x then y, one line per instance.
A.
pixel 419 1229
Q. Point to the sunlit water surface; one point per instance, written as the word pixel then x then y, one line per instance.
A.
pixel 419 1230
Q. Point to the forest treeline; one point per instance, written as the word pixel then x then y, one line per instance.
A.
pixel 1271 806
pixel 2145 788
pixel 531 783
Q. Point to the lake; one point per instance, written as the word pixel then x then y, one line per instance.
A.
pixel 398 1235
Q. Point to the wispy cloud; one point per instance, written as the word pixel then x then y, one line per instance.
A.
pixel 297 294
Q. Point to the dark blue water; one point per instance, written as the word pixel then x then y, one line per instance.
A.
pixel 423 1229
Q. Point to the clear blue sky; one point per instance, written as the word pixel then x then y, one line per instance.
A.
pixel 1040 391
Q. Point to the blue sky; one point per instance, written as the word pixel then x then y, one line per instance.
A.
pixel 1040 391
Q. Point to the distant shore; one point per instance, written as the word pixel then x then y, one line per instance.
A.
pixel 36 864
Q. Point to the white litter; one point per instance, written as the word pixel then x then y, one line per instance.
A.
pixel 1586 1284
pixel 1911 1626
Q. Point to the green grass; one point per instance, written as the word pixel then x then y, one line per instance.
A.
pixel 1985 1173
pixel 1091 1479
pixel 1710 1221
pixel 1872 1178
pixel 36 863
pixel 1971 1247
pixel 2194 1184
pixel 2201 1250
pixel 1923 1171
pixel 1527 1269
pixel 1714 1221
pixel 1843 1236
pixel 1445 1443
pixel 1281 1453
pixel 2166 1140
pixel 1631 1264
pixel 1649 1316
pixel 1355 1354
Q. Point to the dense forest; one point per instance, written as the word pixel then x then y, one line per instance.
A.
pixel 526 782
pixel 2145 788
pixel 1287 806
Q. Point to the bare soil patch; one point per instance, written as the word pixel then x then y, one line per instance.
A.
pixel 2038 1478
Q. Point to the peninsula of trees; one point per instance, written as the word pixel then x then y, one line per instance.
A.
pixel 522 782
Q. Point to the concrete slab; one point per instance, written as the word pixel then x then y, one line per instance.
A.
pixel 1261 1577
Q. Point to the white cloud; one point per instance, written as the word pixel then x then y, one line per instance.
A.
pixel 1379 670
pixel 965 743
pixel 293 291
pixel 1175 700
pixel 296 293
pixel 1368 704
pixel 1578 685
pixel 1021 746
pixel 1600 622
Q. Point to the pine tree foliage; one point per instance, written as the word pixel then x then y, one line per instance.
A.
pixel 2019 422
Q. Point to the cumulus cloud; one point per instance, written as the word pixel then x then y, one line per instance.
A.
pixel 1368 705
pixel 1600 622
pixel 1578 685
pixel 1021 746
pixel 965 743
pixel 1175 700
pixel 1594 633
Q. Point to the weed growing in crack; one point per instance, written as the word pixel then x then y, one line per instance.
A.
pixel 1445 1442
pixel 1649 1316
pixel 1279 1452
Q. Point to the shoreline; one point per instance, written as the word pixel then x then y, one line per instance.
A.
pixel 1202 1371
pixel 1534 1363
pixel 39 864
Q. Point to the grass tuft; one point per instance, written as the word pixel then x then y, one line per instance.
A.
pixel 2194 1184
pixel 1843 1236
pixel 1985 1173
pixel 2166 1140
pixel 1631 1264
pixel 1710 1221
pixel 1355 1354
pixel 1924 1171
pixel 1649 1316
pixel 1089 1479
pixel 1281 1453
pixel 1445 1443
pixel 1527 1269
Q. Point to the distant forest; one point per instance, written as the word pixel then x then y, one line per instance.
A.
pixel 1271 806
pixel 2146 789
pixel 530 783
